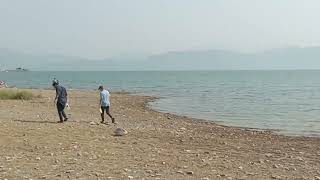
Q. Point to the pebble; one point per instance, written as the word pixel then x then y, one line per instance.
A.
pixel 180 172
pixel 190 172
pixel 130 177
pixel 149 171
pixel 276 177
pixel 317 177
pixel 278 151
pixel 221 175
pixel 268 155
pixel 69 171
pixel 250 173
pixel 38 158
pixel 243 178
pixel 120 132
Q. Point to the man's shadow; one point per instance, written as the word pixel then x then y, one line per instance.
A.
pixel 31 121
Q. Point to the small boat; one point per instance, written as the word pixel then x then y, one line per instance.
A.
pixel 17 70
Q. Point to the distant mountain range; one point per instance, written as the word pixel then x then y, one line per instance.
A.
pixel 285 58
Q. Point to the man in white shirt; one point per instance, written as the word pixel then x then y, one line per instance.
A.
pixel 105 103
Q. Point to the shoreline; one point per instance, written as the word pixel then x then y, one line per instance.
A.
pixel 213 123
pixel 151 99
pixel 157 146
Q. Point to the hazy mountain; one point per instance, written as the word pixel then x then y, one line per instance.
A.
pixel 197 60
pixel 10 60
pixel 286 58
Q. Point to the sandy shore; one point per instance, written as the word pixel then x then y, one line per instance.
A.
pixel 157 146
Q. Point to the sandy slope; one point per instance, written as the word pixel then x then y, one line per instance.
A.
pixel 158 146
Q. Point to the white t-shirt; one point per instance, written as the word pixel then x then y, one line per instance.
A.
pixel 104 94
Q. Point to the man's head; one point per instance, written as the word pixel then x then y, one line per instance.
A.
pixel 55 82
pixel 100 88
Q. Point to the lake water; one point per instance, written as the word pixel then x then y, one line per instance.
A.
pixel 285 101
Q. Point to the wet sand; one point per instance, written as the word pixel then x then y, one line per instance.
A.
pixel 158 146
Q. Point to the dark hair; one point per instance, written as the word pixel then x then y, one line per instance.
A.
pixel 100 87
pixel 55 82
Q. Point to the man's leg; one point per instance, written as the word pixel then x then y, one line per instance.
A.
pixel 64 115
pixel 102 114
pixel 60 110
pixel 108 112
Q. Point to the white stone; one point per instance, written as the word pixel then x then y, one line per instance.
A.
pixel 120 132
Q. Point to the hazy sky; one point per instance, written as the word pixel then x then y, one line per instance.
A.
pixel 105 28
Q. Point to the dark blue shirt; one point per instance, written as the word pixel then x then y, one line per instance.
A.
pixel 62 95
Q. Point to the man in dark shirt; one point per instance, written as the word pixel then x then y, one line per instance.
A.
pixel 60 100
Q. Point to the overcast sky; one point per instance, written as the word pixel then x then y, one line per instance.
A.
pixel 106 28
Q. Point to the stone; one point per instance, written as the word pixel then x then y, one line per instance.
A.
pixel 250 173
pixel 180 172
pixel 221 175
pixel 190 172
pixel 149 171
pixel 130 177
pixel 243 178
pixel 268 155
pixel 120 132
pixel 69 171
pixel 276 177
pixel 38 158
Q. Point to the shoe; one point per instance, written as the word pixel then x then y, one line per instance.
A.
pixel 101 122
pixel 113 120
pixel 66 119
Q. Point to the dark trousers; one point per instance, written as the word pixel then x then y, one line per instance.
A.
pixel 106 109
pixel 61 112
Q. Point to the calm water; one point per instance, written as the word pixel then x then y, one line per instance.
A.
pixel 286 101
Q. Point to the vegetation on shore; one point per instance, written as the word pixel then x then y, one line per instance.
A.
pixel 16 94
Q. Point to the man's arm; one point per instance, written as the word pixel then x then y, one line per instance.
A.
pixel 55 99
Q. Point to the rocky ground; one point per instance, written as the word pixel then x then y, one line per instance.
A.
pixel 157 146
